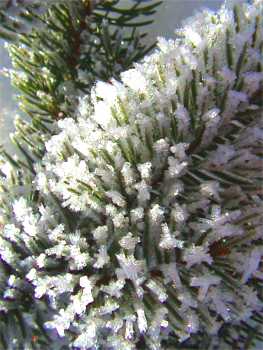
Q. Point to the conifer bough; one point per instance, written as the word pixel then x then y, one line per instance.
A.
pixel 157 241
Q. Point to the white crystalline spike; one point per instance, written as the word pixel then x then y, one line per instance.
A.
pixel 219 305
pixel 227 75
pixel 78 260
pixel 21 209
pixel 41 260
pixel 129 242
pixel 252 263
pixel 187 300
pixel 114 288
pixel 157 290
pixel 57 250
pixel 157 214
pixel 41 288
pixel 56 233
pixel 223 154
pixel 179 150
pixel 11 232
pixel 84 282
pixel 7 169
pixel 77 240
pixel 157 322
pixel 107 91
pixel 115 325
pixel 143 192
pixel 78 304
pixel 30 225
pixel 117 342
pixel 171 273
pixel 141 319
pixel 175 189
pixel 128 174
pixel 42 182
pixel 183 118
pixel 252 81
pixel 193 36
pixel 161 146
pixel 87 338
pixel 119 220
pixel 102 109
pixel 196 255
pixel 129 331
pixel 192 322
pixel 84 297
pixel 100 233
pixel 187 55
pixel 164 44
pixel 120 132
pixel 145 170
pixel 179 213
pixel 134 79
pixel 168 241
pixel 234 99
pixel 130 266
pixel 102 257
pixel 137 214
pixel 176 167
pixel 11 280
pixel 210 189
pixel 204 282
pixel 32 274
pixel 108 308
pixel 116 198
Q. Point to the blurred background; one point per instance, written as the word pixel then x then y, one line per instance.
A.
pixel 169 16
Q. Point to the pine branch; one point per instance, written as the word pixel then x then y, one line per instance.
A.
pixel 142 228
pixel 57 63
pixel 65 41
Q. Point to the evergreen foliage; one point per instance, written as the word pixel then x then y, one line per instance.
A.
pixel 58 49
pixel 138 225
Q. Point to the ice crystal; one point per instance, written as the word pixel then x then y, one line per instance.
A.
pixel 149 227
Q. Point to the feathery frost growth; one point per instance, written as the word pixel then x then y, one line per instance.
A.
pixel 157 239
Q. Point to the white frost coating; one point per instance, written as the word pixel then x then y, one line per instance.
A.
pixel 252 263
pixel 129 242
pixel 135 80
pixel 196 255
pixel 145 170
pixel 157 290
pixel 160 175
pixel 141 319
pixel 204 282
pixel 167 240
pixel 116 198
pixel 102 258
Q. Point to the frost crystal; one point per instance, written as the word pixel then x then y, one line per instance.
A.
pixel 147 226
pixel 142 322
pixel 129 242
pixel 157 290
pixel 197 255
pixel 252 263
pixel 204 282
